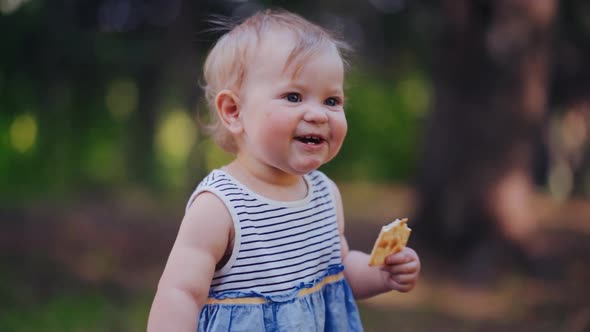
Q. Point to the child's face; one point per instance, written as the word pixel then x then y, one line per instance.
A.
pixel 293 124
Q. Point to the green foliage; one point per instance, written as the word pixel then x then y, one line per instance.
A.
pixel 84 110
pixel 385 120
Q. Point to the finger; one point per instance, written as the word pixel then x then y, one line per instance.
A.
pixel 397 258
pixel 405 288
pixel 405 256
pixel 400 287
pixel 408 268
pixel 403 278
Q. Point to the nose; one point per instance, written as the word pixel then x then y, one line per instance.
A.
pixel 316 114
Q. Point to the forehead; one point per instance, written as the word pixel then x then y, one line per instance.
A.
pixel 275 44
pixel 291 51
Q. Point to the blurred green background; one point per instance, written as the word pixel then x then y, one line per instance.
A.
pixel 471 117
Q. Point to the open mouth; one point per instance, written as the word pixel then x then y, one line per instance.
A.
pixel 313 140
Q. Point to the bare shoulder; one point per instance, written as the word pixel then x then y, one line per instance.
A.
pixel 207 204
pixel 201 242
pixel 206 225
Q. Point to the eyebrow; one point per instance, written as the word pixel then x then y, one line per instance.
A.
pixel 337 91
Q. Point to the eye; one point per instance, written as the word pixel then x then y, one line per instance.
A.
pixel 332 101
pixel 293 97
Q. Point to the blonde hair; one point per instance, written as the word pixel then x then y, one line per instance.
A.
pixel 226 64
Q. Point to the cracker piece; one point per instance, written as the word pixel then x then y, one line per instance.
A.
pixel 392 239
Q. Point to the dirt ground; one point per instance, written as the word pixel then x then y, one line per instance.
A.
pixel 117 247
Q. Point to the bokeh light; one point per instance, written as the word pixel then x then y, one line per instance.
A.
pixel 23 132
pixel 10 6
pixel 175 137
pixel 121 98
pixel 416 93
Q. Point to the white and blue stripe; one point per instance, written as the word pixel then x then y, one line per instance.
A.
pixel 278 245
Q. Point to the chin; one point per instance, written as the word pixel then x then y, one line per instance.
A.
pixel 307 167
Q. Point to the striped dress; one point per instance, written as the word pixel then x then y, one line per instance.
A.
pixel 285 270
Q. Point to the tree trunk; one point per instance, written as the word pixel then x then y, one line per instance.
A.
pixel 491 78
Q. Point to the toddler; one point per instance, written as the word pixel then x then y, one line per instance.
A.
pixel 262 246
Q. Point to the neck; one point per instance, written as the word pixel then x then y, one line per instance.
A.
pixel 268 181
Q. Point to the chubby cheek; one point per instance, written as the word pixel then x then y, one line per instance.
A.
pixel 339 129
pixel 277 131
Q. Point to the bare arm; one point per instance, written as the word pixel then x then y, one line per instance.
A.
pixel 183 288
pixel 400 273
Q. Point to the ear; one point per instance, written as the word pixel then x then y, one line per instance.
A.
pixel 228 109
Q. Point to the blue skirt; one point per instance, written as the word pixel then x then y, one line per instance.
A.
pixel 325 305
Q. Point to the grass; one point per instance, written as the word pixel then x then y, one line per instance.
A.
pixel 80 312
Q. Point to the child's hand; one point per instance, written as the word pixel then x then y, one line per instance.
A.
pixel 402 270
